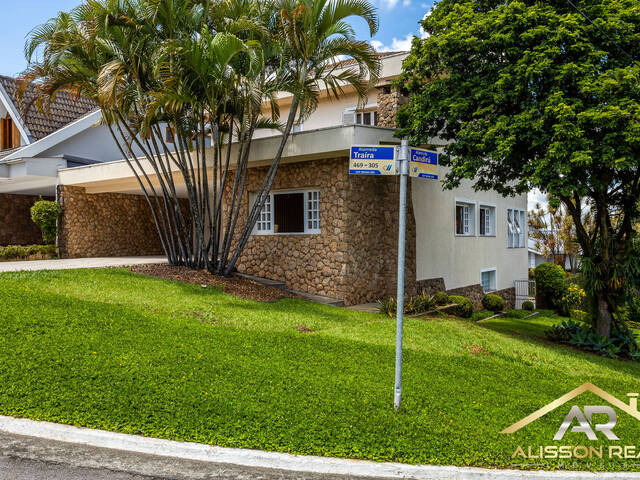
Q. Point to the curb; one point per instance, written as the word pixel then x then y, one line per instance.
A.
pixel 273 460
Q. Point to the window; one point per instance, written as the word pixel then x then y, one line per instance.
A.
pixel 9 134
pixel 297 127
pixel 464 218
pixel 290 212
pixel 364 116
pixel 367 118
pixel 488 280
pixel 516 228
pixel 487 221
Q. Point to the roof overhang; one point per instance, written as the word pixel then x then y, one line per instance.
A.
pixel 66 132
pixel 33 176
pixel 324 143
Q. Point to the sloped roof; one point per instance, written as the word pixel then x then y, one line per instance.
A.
pixel 351 61
pixel 65 110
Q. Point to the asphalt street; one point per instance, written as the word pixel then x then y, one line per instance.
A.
pixel 28 458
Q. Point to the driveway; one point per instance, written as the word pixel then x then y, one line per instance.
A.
pixel 70 263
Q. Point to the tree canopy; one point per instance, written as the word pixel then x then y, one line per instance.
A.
pixel 208 70
pixel 536 94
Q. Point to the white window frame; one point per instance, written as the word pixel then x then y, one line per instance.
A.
pixel 494 287
pixel 297 127
pixel 269 203
pixel 492 220
pixel 470 221
pixel 516 219
pixel 352 114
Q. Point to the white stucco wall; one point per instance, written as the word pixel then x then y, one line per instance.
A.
pixel 460 259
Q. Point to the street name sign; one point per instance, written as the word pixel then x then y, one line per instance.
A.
pixel 423 163
pixel 373 160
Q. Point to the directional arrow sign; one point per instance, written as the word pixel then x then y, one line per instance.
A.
pixel 373 160
pixel 423 163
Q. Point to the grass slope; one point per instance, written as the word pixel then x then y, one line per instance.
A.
pixel 113 350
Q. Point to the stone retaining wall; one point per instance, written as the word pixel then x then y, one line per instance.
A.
pixel 105 225
pixel 16 227
pixel 475 293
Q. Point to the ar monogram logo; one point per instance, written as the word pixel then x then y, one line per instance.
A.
pixel 585 422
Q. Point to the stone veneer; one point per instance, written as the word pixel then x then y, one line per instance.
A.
pixel 105 225
pixel 389 102
pixel 354 256
pixel 476 293
pixel 16 226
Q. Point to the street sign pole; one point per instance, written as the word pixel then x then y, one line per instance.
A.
pixel 403 169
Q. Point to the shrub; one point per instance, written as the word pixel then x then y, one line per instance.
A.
pixel 45 214
pixel 387 306
pixel 528 305
pixel 493 303
pixel 571 300
pixel 550 284
pixel 441 298
pixel 14 252
pixel 412 305
pixel 462 308
pixel 621 343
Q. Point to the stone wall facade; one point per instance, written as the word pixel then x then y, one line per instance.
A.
pixel 105 225
pixel 389 102
pixel 16 226
pixel 431 286
pixel 354 257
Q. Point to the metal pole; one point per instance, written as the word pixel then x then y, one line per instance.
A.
pixel 403 164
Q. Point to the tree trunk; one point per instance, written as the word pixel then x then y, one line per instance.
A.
pixel 603 320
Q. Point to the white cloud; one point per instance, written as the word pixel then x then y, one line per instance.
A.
pixel 406 3
pixel 396 44
pixel 389 4
pixel 536 196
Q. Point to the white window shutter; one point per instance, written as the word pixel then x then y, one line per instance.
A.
pixel 348 118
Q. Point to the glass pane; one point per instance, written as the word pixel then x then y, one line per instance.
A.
pixel 367 118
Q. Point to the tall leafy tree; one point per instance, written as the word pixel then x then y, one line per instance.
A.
pixel 204 69
pixel 541 95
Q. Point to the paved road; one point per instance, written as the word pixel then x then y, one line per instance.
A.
pixel 28 458
pixel 65 264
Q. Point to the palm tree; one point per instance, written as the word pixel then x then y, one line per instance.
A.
pixel 202 68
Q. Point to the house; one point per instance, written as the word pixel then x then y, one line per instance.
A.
pixel 323 231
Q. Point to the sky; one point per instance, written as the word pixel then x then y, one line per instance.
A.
pixel 398 23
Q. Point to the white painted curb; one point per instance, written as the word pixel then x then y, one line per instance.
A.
pixel 281 461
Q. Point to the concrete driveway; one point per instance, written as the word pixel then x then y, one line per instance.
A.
pixel 67 264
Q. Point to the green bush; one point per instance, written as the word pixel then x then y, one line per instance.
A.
pixel 623 342
pixel 572 299
pixel 441 298
pixel 412 305
pixel 493 303
pixel 45 214
pixel 16 252
pixel 462 308
pixel 528 305
pixel 550 284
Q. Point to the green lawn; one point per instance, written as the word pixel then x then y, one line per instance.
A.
pixel 113 350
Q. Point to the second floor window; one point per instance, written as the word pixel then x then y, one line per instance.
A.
pixel 516 228
pixel 465 218
pixel 487 221
pixel 364 116
pixel 9 134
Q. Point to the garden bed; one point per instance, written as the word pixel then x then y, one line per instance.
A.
pixel 14 253
pixel 235 285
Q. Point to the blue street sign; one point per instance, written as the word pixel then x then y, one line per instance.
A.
pixel 372 160
pixel 423 163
